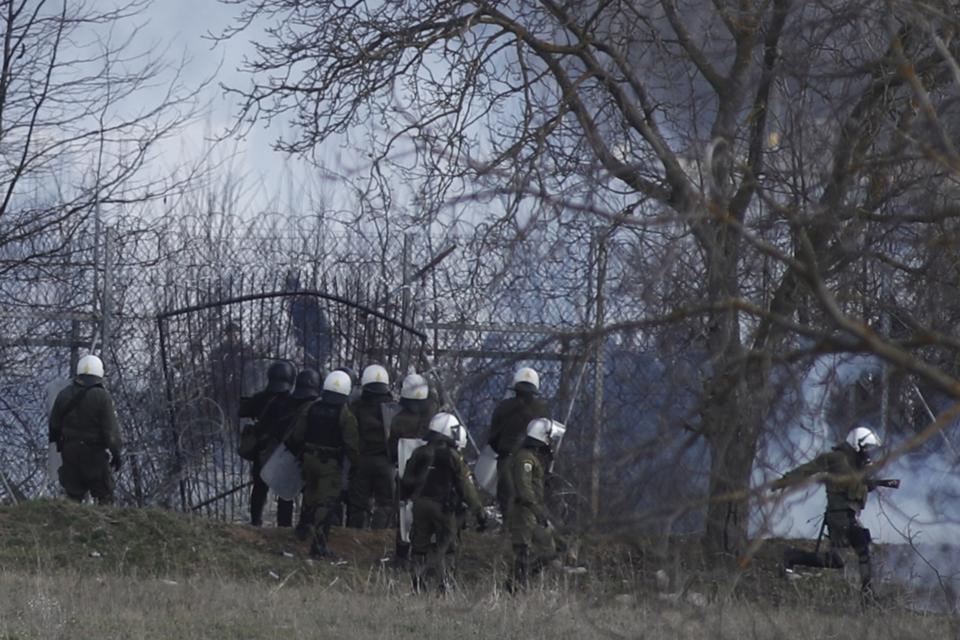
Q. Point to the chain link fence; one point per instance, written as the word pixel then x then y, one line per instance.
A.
pixel 186 311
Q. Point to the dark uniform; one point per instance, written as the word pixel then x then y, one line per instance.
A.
pixel 83 425
pixel 269 409
pixel 530 532
pixel 508 428
pixel 438 481
pixel 847 488
pixel 373 475
pixel 413 421
pixel 326 434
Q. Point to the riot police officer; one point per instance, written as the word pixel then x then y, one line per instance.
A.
pixel 83 426
pixel 267 408
pixel 326 434
pixel 373 476
pixel 508 428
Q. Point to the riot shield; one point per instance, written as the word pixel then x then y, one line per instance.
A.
pixel 54 387
pixel 485 471
pixel 54 460
pixel 254 376
pixel 405 449
pixel 388 411
pixel 282 473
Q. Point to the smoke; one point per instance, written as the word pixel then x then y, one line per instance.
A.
pixel 805 433
pixel 917 526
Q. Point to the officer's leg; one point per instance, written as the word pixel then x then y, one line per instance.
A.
pixel 97 476
pixel 860 541
pixel 446 532
pixel 504 485
pixel 102 487
pixel 401 551
pixel 521 525
pixel 358 495
pixel 520 571
pixel 329 489
pixel 258 496
pixel 284 512
pixel 70 478
pixel 421 545
pixel 303 518
pixel 382 477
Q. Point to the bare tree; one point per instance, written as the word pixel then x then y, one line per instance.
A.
pixel 82 108
pixel 85 105
pixel 784 151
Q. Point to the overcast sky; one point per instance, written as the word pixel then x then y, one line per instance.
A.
pixel 177 28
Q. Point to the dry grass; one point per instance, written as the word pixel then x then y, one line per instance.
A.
pixel 84 572
pixel 80 606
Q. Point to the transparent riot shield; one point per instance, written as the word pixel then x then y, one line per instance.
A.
pixel 54 460
pixel 405 449
pixel 485 471
pixel 282 473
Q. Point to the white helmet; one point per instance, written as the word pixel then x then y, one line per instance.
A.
pixel 375 378
pixel 862 439
pixel 414 387
pixel 547 431
pixel 338 382
pixel 447 425
pixel 91 366
pixel 528 375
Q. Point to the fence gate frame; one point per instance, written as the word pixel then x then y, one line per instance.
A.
pixel 413 342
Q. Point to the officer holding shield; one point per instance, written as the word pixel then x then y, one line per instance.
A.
pixel 437 480
pixel 508 428
pixel 322 437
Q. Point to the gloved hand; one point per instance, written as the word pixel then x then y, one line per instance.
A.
pixel 115 461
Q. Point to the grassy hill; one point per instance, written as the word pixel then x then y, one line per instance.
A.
pixel 79 571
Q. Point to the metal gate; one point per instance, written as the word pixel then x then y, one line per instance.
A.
pixel 216 351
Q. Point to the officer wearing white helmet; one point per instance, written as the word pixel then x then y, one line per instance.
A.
pixel 417 407
pixel 324 434
pixel 508 428
pixel 846 474
pixel 373 477
pixel 438 481
pixel 83 426
pixel 531 534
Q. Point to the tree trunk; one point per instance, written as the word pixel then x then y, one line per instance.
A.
pixel 728 510
pixel 732 421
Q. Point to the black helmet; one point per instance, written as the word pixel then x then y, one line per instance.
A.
pixel 308 385
pixel 280 376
